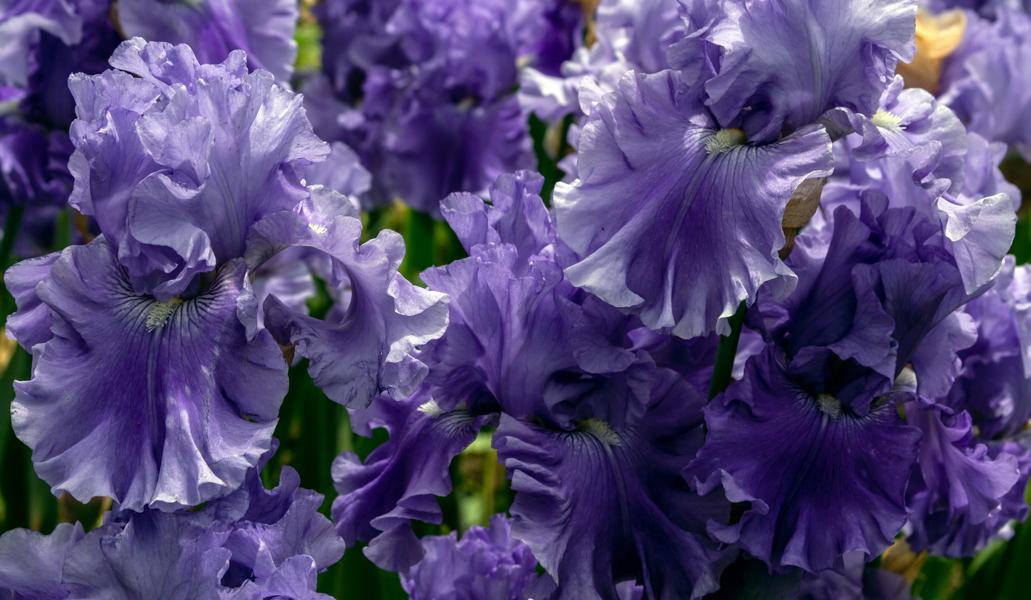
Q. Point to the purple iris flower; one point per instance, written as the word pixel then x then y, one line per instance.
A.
pixel 730 137
pixel 176 167
pixel 214 28
pixel 821 396
pixel 254 543
pixel 655 172
pixel 434 80
pixel 486 564
pixel 178 162
pixel 916 152
pixel 195 399
pixel 761 42
pixel 601 504
pixel 575 386
pixel 973 471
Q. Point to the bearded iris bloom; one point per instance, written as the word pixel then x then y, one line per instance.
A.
pixel 176 165
pixel 719 200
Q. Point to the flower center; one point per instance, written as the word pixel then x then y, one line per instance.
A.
pixel 886 120
pixel 724 140
pixel 829 405
pixel 161 312
pixel 600 430
pixel 431 409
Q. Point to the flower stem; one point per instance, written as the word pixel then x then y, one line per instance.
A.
pixel 725 353
pixel 419 242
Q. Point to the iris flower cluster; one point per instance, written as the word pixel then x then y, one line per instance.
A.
pixel 764 330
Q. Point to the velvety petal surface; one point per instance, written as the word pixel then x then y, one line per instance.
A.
pixel 599 506
pixel 822 481
pixel 190 398
pixel 674 219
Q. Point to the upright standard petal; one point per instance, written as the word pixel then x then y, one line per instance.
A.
pixel 674 219
pixel 789 61
pixel 600 505
pixel 191 400
pixel 177 163
pixel 822 481
pixel 363 348
pixel 214 28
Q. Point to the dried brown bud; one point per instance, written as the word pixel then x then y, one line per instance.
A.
pixel 802 206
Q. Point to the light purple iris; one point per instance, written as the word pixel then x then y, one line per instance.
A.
pixel 194 401
pixel 674 218
pixel 789 61
pixel 214 28
pixel 176 167
pixel 253 544
pixel 916 152
pixel 363 345
pixel 486 564
pixel 401 479
pixel 820 398
pixel 177 163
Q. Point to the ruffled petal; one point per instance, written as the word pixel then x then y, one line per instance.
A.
pixel 790 61
pixel 178 168
pixel 598 506
pixel 191 400
pixel 400 479
pixel 154 556
pixel 30 562
pixel 486 563
pixel 366 349
pixel 822 481
pixel 295 579
pixel 959 475
pixel 30 325
pixel 673 220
